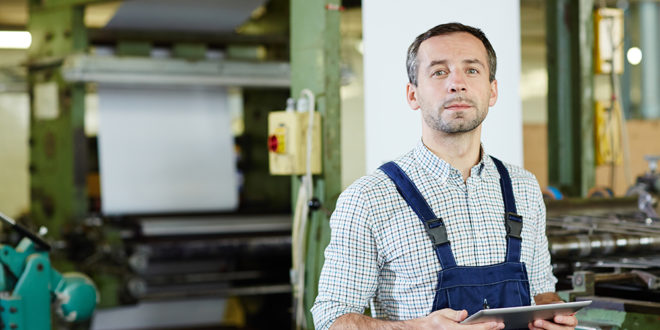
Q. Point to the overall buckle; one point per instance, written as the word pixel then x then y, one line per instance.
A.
pixel 437 231
pixel 513 224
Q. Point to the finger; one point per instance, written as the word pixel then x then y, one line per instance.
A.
pixel 453 315
pixel 567 320
pixel 486 326
pixel 548 325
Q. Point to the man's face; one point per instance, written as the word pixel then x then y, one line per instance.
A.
pixel 453 90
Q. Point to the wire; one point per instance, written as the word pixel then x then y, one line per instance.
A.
pixel 300 219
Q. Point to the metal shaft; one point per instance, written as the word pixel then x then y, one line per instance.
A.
pixel 579 246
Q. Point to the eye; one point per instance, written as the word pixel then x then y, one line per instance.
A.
pixel 472 71
pixel 439 73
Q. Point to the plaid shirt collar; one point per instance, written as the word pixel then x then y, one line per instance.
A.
pixel 443 171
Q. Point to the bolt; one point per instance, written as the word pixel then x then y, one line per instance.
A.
pixel 13 310
pixel 13 326
pixel 314 204
pixel 2 309
pixel 40 267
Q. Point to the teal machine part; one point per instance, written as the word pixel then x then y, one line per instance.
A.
pixel 29 285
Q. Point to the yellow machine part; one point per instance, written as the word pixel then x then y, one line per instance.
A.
pixel 607 134
pixel 608 38
pixel 287 143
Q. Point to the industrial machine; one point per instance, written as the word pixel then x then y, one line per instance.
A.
pixel 167 202
pixel 608 251
pixel 30 285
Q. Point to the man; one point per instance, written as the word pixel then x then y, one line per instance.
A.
pixel 481 240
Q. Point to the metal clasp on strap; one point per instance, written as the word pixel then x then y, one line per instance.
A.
pixel 513 224
pixel 437 231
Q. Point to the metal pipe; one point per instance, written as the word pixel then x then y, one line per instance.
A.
pixel 580 246
pixel 649 27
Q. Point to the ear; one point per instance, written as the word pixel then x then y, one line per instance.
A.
pixel 411 96
pixel 493 93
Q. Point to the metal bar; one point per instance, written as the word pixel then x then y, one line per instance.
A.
pixel 118 70
pixel 210 226
pixel 218 292
pixel 58 152
pixel 580 246
pixel 102 36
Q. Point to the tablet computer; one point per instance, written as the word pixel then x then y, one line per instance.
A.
pixel 519 317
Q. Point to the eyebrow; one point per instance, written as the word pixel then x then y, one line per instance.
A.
pixel 466 61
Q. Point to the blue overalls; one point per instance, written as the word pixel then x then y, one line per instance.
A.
pixel 471 288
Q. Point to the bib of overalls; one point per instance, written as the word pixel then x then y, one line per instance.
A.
pixel 471 287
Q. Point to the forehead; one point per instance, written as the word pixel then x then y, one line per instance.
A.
pixel 452 46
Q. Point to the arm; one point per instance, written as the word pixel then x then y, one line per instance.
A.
pixel 543 280
pixel 442 319
pixel 349 277
pixel 547 298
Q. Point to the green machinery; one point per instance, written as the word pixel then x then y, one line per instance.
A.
pixel 315 44
pixel 61 156
pixel 29 285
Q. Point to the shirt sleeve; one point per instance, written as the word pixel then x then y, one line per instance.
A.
pixel 349 277
pixel 541 278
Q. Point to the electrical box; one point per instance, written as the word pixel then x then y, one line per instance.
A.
pixel 608 33
pixel 287 142
pixel 607 134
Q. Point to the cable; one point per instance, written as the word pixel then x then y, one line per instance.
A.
pixel 301 215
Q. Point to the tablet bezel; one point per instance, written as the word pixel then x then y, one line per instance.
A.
pixel 517 317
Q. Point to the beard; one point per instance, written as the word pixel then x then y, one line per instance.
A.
pixel 459 123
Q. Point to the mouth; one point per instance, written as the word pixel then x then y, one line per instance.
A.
pixel 458 106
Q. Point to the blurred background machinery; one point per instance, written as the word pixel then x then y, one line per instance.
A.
pixel 136 131
pixel 148 162
pixel 29 285
pixel 607 250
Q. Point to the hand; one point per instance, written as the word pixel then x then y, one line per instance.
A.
pixel 448 319
pixel 561 322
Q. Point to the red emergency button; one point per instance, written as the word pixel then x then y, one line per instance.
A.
pixel 273 143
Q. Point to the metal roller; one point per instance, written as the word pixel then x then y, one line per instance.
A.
pixel 582 245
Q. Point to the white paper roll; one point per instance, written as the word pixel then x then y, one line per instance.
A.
pixel 165 150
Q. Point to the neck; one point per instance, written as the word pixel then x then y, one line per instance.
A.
pixel 460 150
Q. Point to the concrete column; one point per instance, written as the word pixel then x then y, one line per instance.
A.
pixel 649 16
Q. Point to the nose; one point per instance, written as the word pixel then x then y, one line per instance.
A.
pixel 457 83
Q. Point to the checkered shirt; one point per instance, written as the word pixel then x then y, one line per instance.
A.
pixel 380 255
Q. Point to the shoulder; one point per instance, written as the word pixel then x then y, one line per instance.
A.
pixel 526 189
pixel 377 186
pixel 520 175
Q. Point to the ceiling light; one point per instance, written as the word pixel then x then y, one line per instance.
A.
pixel 15 39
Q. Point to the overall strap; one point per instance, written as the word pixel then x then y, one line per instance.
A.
pixel 433 225
pixel 512 221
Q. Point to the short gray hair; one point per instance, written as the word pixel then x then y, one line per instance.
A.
pixel 411 61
